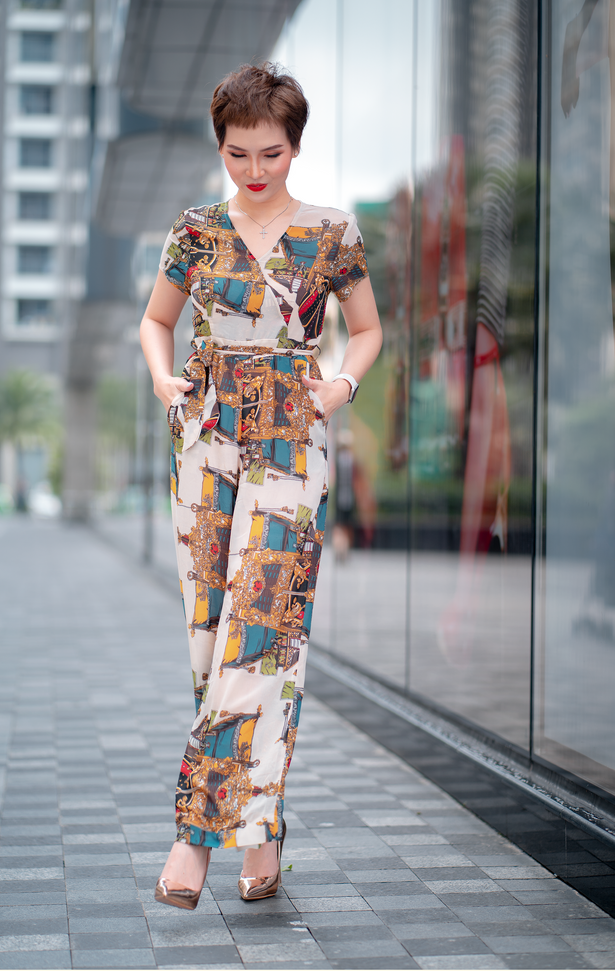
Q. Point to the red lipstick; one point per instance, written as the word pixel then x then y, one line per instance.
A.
pixel 257 186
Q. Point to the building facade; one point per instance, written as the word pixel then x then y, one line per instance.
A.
pixel 45 167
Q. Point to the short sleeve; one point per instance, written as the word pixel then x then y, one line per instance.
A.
pixel 175 257
pixel 349 265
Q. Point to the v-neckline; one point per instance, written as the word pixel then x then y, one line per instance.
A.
pixel 273 245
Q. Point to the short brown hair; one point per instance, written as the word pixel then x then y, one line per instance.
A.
pixel 252 95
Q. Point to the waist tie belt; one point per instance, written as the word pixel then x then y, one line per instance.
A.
pixel 206 348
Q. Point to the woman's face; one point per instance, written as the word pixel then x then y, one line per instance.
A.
pixel 258 160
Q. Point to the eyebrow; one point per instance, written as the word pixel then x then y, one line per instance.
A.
pixel 271 147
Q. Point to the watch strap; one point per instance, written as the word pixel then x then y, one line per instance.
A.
pixel 354 385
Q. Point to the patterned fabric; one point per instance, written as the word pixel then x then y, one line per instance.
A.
pixel 283 294
pixel 249 497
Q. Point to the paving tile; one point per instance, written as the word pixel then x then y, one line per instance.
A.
pixel 287 965
pixel 34 942
pixel 522 943
pixel 430 930
pixel 198 956
pixel 121 958
pixel 353 933
pixel 362 949
pixel 542 962
pixel 462 886
pixel 401 875
pixel 392 889
pixel 478 899
pixel 32 960
pixel 446 945
pixel 273 905
pixel 104 940
pixel 99 925
pixel 189 935
pixel 590 942
pixel 582 925
pixel 373 964
pixel 123 909
pixel 339 919
pixel 275 935
pixel 20 926
pixel 485 928
pixel 275 953
pixel 30 912
pixel 48 855
pixel 392 902
pixel 467 962
pixel 321 890
pixel 568 910
pixel 307 905
pixel 598 959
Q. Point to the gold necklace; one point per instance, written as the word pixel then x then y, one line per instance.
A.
pixel 263 228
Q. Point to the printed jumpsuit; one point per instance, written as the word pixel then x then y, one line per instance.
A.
pixel 249 497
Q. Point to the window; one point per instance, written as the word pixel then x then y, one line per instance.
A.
pixel 37 45
pixel 35 205
pixel 35 153
pixel 36 99
pixel 34 259
pixel 34 312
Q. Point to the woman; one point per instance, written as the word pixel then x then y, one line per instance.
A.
pixel 248 467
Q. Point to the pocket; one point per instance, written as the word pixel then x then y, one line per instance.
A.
pixel 318 405
pixel 175 413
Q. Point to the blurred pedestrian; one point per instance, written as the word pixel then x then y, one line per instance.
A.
pixel 248 466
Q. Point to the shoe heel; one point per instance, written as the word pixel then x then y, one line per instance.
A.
pixel 257 888
pixel 181 897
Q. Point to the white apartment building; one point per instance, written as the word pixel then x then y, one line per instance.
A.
pixel 46 93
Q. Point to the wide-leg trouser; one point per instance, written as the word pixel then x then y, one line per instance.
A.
pixel 249 503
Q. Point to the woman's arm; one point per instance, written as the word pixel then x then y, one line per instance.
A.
pixel 365 341
pixel 159 320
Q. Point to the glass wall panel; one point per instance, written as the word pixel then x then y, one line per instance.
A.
pixel 361 121
pixel 426 579
pixel 576 622
pixel 472 382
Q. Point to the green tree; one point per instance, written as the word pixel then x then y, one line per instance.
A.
pixel 29 411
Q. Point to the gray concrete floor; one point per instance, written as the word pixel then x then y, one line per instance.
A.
pixel 96 701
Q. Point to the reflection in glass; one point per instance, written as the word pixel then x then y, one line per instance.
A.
pixel 577 630
pixel 471 426
pixel 427 578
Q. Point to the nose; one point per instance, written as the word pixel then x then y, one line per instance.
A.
pixel 254 167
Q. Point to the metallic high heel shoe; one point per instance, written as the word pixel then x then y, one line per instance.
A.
pixel 256 888
pixel 179 897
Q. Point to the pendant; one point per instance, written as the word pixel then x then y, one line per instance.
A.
pixel 263 232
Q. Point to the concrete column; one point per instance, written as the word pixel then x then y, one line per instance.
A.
pixel 80 454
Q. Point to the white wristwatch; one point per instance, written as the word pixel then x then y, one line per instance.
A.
pixel 354 385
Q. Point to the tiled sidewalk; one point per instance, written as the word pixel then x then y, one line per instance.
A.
pixel 387 870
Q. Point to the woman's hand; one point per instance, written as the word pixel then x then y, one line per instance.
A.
pixel 333 394
pixel 168 387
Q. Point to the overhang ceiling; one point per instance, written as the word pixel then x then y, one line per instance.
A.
pixel 148 179
pixel 174 53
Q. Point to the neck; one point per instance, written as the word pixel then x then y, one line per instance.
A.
pixel 263 211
